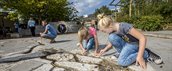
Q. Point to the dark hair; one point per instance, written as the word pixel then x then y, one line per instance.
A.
pixel 45 20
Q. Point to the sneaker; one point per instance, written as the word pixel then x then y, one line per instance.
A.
pixel 154 57
pixel 52 41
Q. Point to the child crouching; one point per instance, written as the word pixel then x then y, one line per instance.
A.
pixel 88 39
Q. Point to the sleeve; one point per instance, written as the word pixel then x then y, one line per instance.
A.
pixel 93 30
pixel 28 23
pixel 126 27
pixel 47 27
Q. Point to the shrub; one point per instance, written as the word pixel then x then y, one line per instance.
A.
pixel 148 23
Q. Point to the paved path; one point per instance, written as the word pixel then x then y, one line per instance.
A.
pixel 68 42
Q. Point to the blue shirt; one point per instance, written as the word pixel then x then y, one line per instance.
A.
pixel 51 30
pixel 31 23
pixel 16 25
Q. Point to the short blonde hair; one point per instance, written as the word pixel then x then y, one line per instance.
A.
pixel 104 21
pixel 82 33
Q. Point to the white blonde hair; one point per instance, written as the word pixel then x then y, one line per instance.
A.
pixel 104 21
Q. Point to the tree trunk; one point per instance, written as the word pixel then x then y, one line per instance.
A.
pixel 138 8
pixel 39 21
pixel 130 8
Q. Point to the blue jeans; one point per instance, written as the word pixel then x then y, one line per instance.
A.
pixel 48 36
pixel 128 52
pixel 88 44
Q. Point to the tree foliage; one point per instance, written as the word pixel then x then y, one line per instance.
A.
pixel 147 8
pixel 104 9
pixel 40 9
pixel 147 15
pixel 151 14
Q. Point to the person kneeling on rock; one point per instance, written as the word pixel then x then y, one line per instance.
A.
pixel 87 39
pixel 49 33
pixel 129 43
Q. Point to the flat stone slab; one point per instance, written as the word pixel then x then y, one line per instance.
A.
pixel 12 46
pixel 65 60
pixel 44 67
pixel 86 59
pixel 38 48
pixel 58 69
pixel 27 50
pixel 75 51
pixel 23 57
pixel 61 57
pixel 27 66
pixel 163 47
pixel 29 56
pixel 78 66
pixel 43 60
pixel 8 66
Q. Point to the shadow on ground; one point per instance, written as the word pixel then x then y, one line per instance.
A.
pixel 61 41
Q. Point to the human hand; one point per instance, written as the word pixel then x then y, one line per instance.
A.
pixel 101 52
pixel 95 53
pixel 40 33
pixel 84 52
pixel 140 61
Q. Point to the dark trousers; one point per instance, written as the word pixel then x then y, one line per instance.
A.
pixel 16 30
pixel 32 29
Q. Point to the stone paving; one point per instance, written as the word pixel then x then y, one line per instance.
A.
pixel 67 56
pixel 58 58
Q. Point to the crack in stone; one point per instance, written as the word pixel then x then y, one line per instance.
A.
pixel 52 63
pixel 54 66
pixel 104 66
pixel 30 50
pixel 21 52
pixel 28 56
pixel 36 67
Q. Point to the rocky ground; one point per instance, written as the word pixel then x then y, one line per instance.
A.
pixel 25 54
pixel 40 58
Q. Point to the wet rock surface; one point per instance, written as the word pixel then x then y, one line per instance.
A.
pixel 50 59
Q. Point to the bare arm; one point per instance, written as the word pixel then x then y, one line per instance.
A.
pixel 46 30
pixel 80 43
pixel 41 34
pixel 108 46
pixel 83 50
pixel 142 41
pixel 81 46
pixel 96 42
pixel 142 44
